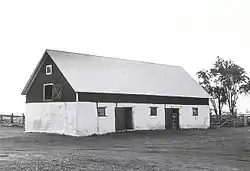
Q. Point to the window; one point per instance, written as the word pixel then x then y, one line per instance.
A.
pixel 153 111
pixel 195 111
pixel 47 92
pixel 101 111
pixel 48 69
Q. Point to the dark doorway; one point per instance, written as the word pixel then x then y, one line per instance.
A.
pixel 171 118
pixel 123 118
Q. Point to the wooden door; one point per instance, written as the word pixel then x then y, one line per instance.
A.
pixel 171 118
pixel 168 118
pixel 119 119
pixel 175 118
pixel 128 118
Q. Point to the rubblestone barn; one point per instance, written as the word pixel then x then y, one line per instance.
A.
pixel 80 95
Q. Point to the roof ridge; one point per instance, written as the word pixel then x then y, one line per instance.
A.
pixel 70 52
pixel 116 58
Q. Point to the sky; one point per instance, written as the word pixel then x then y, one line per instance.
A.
pixel 189 33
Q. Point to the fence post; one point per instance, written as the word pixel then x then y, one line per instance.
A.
pixel 210 119
pixel 244 120
pixel 23 120
pixel 11 119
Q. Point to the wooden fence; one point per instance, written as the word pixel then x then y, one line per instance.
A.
pixel 12 120
pixel 230 121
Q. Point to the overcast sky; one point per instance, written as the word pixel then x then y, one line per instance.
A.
pixel 189 33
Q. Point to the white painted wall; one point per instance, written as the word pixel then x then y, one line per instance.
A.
pixel 80 118
pixel 88 122
pixel 188 121
pixel 55 117
pixel 142 119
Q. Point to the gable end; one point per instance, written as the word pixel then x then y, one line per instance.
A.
pixel 34 90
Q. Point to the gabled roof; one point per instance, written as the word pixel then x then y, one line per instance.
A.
pixel 89 73
pixel 33 75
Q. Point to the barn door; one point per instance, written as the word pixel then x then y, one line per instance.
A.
pixel 128 118
pixel 168 118
pixel 119 119
pixel 175 118
pixel 171 118
pixel 123 118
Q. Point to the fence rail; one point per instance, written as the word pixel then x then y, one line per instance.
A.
pixel 230 121
pixel 12 120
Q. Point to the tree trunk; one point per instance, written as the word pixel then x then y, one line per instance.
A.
pixel 219 118
pixel 215 109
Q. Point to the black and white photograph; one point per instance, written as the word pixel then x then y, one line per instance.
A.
pixel 144 85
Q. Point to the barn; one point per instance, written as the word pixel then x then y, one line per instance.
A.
pixel 81 94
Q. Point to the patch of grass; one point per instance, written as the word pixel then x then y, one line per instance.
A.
pixel 214 149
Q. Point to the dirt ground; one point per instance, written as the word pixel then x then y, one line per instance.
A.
pixel 214 149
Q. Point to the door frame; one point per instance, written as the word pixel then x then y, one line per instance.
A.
pixel 132 119
pixel 168 116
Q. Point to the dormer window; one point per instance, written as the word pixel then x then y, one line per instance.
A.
pixel 48 69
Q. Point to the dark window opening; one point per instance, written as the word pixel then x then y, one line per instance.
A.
pixel 101 111
pixel 48 92
pixel 153 111
pixel 195 111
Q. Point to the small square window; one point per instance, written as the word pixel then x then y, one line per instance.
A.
pixel 195 111
pixel 153 111
pixel 101 111
pixel 48 69
pixel 47 92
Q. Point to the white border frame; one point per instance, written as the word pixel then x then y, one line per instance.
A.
pixel 44 91
pixel 194 107
pixel 105 111
pixel 46 71
pixel 150 108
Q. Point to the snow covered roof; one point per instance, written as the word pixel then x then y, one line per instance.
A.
pixel 89 73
